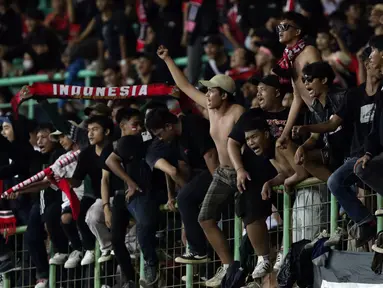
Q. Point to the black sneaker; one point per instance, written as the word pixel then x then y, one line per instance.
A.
pixel 192 258
pixel 366 233
pixel 151 276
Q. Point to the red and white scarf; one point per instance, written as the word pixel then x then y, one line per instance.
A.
pixel 242 73
pixel 45 90
pixel 288 57
pixel 62 184
pixel 7 223
pixel 143 20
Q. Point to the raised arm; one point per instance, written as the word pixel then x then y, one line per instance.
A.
pixel 180 79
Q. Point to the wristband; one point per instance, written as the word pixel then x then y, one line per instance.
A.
pixel 103 205
pixel 368 154
pixel 123 62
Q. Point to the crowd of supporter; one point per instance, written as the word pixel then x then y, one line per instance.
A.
pixel 289 91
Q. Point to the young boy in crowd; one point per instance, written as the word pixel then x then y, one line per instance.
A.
pixel 223 114
pixel 91 162
pixel 128 163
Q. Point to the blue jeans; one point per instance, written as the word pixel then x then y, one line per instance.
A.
pixel 340 183
pixel 144 209
pixel 371 174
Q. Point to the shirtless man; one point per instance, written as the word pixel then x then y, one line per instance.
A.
pixel 291 31
pixel 223 114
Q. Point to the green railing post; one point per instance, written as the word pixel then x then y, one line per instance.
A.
pixel 379 204
pixel 142 263
pixel 189 273
pixel 6 281
pixel 237 237
pixel 97 269
pixel 333 214
pixel 286 222
pixel 52 270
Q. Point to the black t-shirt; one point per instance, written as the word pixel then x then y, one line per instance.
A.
pixel 132 150
pixel 111 30
pixel 89 163
pixel 252 162
pixel 337 143
pixel 358 109
pixel 195 140
pixel 276 120
pixel 115 183
pixel 159 149
pixel 50 195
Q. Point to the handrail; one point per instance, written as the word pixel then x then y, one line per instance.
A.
pixel 24 80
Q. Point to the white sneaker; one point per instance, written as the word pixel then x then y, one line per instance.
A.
pixel 278 262
pixel 105 286
pixel 262 269
pixel 58 259
pixel 73 260
pixel 216 280
pixel 42 283
pixel 88 258
pixel 105 256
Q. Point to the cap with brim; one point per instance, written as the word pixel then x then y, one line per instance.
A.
pixel 224 82
pixel 270 80
pixel 54 136
pixel 100 108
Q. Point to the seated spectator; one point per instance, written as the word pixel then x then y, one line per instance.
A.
pixel 58 20
pixel 218 60
pixel 120 43
pixel 146 70
pixel 358 109
pixel 375 19
pixel 11 25
pixel 241 64
pixel 41 44
pixel 321 156
pixel 250 90
pixel 355 32
pixel 267 56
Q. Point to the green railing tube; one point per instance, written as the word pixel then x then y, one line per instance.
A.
pixel 286 222
pixel 142 264
pixel 237 237
pixel 97 269
pixel 379 204
pixel 52 270
pixel 333 214
pixel 6 280
pixel 189 273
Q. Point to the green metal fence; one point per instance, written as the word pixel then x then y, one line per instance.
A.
pixel 170 246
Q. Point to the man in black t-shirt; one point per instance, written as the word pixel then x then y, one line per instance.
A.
pixel 129 164
pixel 90 163
pixel 358 110
pixel 190 139
pixel 254 171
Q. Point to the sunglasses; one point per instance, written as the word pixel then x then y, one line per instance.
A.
pixel 285 27
pixel 308 79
